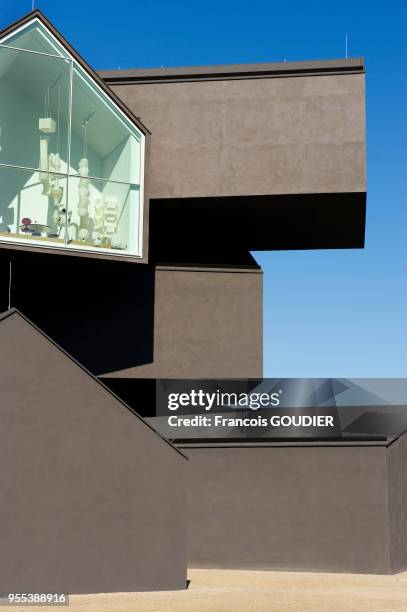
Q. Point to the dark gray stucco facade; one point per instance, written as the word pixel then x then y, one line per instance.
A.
pixel 197 314
pixel 396 458
pixel 278 133
pixel 300 507
pixel 92 499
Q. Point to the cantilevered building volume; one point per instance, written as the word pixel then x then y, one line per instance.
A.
pixel 157 184
pixel 130 202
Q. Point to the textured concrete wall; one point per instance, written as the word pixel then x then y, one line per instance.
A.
pixel 289 508
pixel 300 134
pixel 152 323
pixel 207 323
pixel 91 499
pixel 397 499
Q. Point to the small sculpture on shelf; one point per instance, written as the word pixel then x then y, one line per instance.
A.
pixel 25 222
pixel 47 126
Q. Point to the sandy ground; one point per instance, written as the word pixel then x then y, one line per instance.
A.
pixel 244 591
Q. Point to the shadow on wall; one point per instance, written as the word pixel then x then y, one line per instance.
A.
pixel 101 312
pixel 190 227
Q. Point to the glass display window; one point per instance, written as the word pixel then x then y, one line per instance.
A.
pixel 71 161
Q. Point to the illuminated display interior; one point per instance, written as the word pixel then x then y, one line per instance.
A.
pixel 71 163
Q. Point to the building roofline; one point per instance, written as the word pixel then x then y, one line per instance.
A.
pixel 15 311
pixel 234 71
pixel 383 441
pixel 37 14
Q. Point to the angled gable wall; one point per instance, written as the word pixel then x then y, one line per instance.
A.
pixel 92 498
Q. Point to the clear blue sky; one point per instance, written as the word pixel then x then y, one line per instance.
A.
pixel 326 313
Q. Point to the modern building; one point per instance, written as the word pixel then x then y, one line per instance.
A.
pixel 130 203
pixel 140 194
